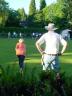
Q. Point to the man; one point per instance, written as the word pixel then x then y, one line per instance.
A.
pixel 65 34
pixel 52 43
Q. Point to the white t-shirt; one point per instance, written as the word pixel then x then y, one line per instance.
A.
pixel 52 42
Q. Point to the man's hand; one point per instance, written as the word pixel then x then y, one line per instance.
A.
pixel 59 54
pixel 42 53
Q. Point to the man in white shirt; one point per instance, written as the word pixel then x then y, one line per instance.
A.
pixel 52 43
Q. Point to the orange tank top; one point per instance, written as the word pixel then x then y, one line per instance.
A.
pixel 20 49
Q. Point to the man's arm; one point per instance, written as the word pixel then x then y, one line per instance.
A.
pixel 64 47
pixel 39 43
pixel 64 44
pixel 39 48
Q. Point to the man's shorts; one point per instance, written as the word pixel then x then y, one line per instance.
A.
pixel 50 62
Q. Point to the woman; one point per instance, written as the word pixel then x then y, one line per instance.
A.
pixel 21 52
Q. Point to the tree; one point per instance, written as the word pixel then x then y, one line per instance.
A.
pixel 32 8
pixel 54 13
pixel 42 4
pixel 67 9
pixel 4 8
pixel 22 17
pixel 22 14
pixel 66 6
pixel 39 19
pixel 13 19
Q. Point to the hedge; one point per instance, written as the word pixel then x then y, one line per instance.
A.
pixel 45 84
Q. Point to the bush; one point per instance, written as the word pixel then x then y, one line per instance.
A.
pixel 45 84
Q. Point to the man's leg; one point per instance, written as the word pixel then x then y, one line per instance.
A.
pixel 48 59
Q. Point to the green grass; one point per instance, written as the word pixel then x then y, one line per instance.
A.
pixel 8 57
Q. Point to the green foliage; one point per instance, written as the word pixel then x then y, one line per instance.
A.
pixel 12 83
pixel 32 8
pixel 42 4
pixel 39 19
pixel 13 20
pixel 3 12
pixel 59 13
pixel 22 14
pixel 52 11
pixel 32 11
pixel 66 6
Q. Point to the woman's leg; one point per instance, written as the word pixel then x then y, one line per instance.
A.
pixel 21 61
pixel 22 57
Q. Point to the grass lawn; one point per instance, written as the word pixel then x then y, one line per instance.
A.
pixel 8 57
